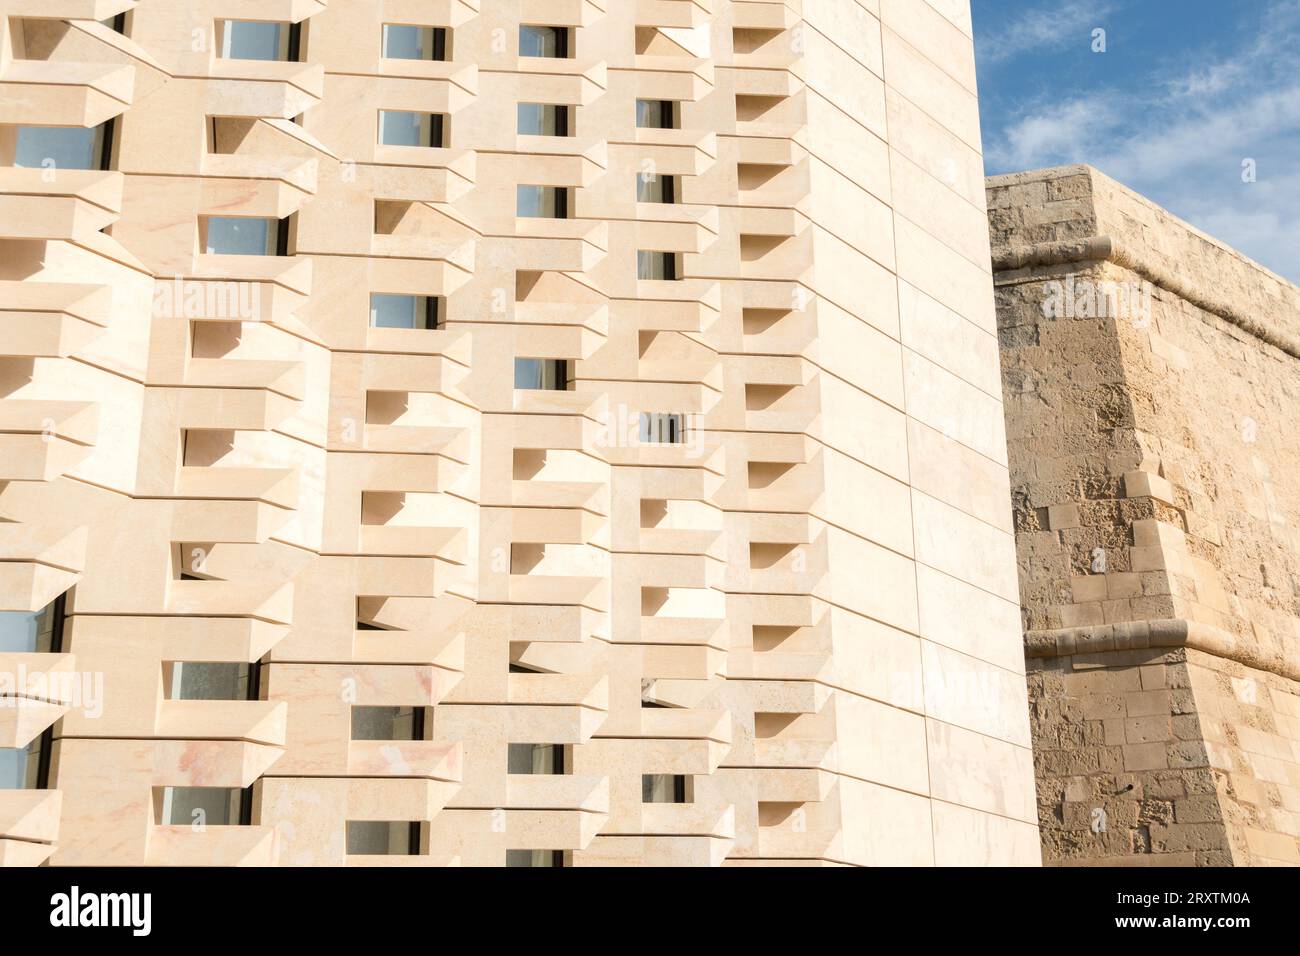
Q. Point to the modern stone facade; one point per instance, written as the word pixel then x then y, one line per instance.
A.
pixel 426 480
pixel 1153 465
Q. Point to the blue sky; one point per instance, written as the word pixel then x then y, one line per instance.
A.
pixel 1185 91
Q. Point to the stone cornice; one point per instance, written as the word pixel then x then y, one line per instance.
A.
pixel 1109 249
pixel 1158 634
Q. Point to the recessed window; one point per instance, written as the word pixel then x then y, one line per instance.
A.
pixel 407 42
pixel 534 858
pixel 547 374
pixel 19 766
pixel 208 806
pixel 553 42
pixel 663 788
pixel 657 265
pixel 535 758
pixel 543 119
pixel 662 428
pixel 542 202
pixel 658 114
pixel 244 236
pixel 384 837
pixel 64 147
pixel 116 23
pixel 259 40
pixel 390 311
pixel 387 723
pixel 661 189
pixel 32 632
pixel 206 680
pixel 401 128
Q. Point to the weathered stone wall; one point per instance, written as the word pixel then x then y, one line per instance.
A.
pixel 1150 423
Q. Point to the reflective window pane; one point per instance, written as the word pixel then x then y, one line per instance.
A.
pixel 541 202
pixel 254 40
pixel 408 42
pixel 28 632
pixel 542 119
pixel 550 374
pixel 389 311
pixel 401 128
pixel 544 41
pixel 17 767
pixel 60 147
pixel 241 236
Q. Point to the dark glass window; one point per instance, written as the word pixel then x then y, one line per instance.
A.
pixel 387 723
pixel 663 788
pixel 384 837
pixel 535 758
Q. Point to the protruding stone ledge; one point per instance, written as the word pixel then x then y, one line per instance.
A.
pixel 1154 635
pixel 1110 249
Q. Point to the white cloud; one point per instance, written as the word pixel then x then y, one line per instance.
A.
pixel 1044 29
pixel 1181 137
